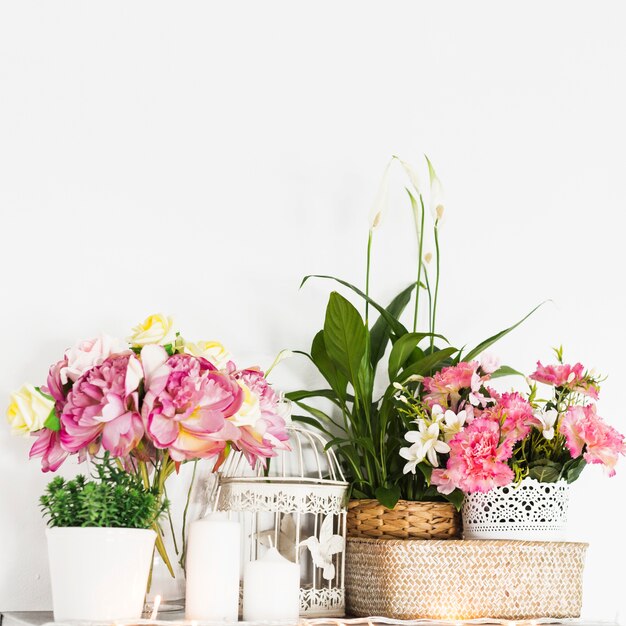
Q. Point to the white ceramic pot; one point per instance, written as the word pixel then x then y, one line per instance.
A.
pixel 530 511
pixel 99 574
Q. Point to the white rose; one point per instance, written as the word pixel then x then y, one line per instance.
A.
pixel 89 353
pixel 157 329
pixel 213 351
pixel 28 410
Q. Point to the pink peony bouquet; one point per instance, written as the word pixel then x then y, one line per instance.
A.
pixel 152 402
pixel 471 438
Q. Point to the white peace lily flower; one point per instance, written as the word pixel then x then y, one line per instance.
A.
pixel 436 194
pixel 548 420
pixel 381 201
pixel 453 423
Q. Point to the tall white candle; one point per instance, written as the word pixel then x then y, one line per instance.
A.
pixel 213 569
pixel 271 588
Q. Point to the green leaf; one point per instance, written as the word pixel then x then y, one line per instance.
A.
pixel 311 421
pixel 426 470
pixel 425 365
pixel 545 473
pixel 295 396
pixel 320 415
pixel 344 336
pixel 402 350
pixel 488 342
pixel 52 422
pixel 394 324
pixel 505 370
pixel 456 498
pixel 327 367
pixel 381 331
pixel 388 496
pixel 573 468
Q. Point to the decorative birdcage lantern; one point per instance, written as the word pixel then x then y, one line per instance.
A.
pixel 298 505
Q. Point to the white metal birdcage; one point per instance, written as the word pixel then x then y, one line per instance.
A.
pixel 298 505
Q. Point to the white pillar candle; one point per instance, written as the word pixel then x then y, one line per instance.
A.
pixel 213 569
pixel 271 588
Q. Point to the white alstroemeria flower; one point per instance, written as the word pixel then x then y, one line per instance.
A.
pixel 453 423
pixel 414 456
pixel 437 413
pixel 397 386
pixel 428 442
pixel 548 420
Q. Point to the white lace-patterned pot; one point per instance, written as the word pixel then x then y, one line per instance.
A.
pixel 529 510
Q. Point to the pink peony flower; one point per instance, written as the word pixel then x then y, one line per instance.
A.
pixel 478 459
pixel 570 376
pixel 445 386
pixel 102 407
pixel 271 424
pixel 55 387
pixel 187 404
pixel 48 447
pixel 588 434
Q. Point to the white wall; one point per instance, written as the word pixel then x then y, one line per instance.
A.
pixel 199 158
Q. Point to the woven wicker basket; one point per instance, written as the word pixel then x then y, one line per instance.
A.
pixel 464 579
pixel 407 520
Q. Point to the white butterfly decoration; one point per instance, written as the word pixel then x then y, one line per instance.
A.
pixel 322 549
pixel 286 537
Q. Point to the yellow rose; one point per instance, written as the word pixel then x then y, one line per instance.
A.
pixel 28 410
pixel 213 351
pixel 157 329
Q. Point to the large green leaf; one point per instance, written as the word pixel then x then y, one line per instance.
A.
pixel 295 396
pixel 425 365
pixel 488 342
pixel 311 421
pixel 388 496
pixel 505 370
pixel 402 350
pixel 395 325
pixel 327 367
pixel 344 336
pixel 381 331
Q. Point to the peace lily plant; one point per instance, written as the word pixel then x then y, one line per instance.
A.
pixel 366 431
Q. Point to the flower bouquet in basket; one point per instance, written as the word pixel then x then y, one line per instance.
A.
pixel 149 405
pixel 352 355
pixel 512 454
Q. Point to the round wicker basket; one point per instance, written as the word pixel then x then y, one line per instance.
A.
pixel 407 520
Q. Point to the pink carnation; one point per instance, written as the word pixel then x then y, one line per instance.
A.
pixel 102 407
pixel 515 415
pixel 478 459
pixel 588 434
pixel 445 386
pixel 48 447
pixel 187 404
pixel 570 376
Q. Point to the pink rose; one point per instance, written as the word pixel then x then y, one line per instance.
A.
pixel 89 353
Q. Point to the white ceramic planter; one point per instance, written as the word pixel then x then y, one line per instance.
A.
pixel 99 574
pixel 530 510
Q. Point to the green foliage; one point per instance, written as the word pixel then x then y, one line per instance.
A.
pixel 116 499
pixel 365 432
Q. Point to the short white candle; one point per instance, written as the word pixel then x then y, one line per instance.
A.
pixel 271 588
pixel 213 569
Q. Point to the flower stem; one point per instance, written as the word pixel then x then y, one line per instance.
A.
pixel 184 552
pixel 419 264
pixel 432 330
pixel 367 277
